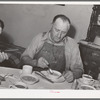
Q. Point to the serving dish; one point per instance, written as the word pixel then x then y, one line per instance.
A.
pixel 29 78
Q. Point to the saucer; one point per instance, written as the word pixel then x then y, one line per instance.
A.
pixel 87 87
pixel 80 81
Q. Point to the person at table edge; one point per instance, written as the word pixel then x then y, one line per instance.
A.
pixel 3 55
pixel 56 50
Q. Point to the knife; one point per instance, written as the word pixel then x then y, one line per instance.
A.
pixel 41 74
pixel 10 50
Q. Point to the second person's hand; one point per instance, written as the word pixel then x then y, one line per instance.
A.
pixel 3 56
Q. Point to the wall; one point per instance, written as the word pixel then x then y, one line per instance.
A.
pixel 24 21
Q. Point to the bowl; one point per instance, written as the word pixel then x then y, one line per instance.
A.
pixel 29 78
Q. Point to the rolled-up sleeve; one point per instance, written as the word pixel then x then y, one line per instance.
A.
pixel 74 64
pixel 34 46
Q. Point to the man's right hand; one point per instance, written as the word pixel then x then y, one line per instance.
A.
pixel 42 62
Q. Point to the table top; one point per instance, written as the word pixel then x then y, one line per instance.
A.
pixel 41 84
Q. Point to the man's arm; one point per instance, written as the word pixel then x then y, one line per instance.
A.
pixel 28 56
pixel 76 63
pixel 26 60
pixel 75 69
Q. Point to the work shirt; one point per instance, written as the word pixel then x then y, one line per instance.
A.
pixel 54 55
pixel 72 53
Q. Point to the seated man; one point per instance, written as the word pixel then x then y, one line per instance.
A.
pixel 56 50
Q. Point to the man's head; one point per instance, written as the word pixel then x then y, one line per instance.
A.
pixel 1 26
pixel 60 27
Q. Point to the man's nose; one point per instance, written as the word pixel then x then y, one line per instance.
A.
pixel 59 34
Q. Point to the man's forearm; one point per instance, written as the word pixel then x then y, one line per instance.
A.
pixel 26 60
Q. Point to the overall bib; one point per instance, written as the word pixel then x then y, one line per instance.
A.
pixel 55 55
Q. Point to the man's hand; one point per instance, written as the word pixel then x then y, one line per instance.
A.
pixel 69 76
pixel 3 56
pixel 42 62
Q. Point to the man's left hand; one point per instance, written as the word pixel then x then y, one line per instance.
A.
pixel 69 76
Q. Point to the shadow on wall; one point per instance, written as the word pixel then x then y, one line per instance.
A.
pixel 4 37
pixel 72 31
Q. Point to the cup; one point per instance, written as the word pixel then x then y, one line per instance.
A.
pixel 87 79
pixel 27 69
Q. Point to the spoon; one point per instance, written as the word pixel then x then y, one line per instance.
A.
pixel 50 70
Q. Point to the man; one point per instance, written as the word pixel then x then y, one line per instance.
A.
pixel 56 50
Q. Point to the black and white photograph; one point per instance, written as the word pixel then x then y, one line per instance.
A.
pixel 49 46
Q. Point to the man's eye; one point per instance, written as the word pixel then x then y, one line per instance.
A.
pixel 56 30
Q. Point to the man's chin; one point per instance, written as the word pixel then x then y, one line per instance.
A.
pixel 57 41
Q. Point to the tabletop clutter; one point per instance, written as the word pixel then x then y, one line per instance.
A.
pixel 87 83
pixel 28 77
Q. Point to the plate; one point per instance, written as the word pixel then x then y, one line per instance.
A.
pixel 87 87
pixel 80 81
pixel 29 78
pixel 19 85
pixel 55 76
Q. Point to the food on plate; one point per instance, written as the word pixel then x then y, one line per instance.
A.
pixel 29 79
pixel 55 76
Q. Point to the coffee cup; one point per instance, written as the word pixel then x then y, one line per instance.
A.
pixel 87 79
pixel 27 69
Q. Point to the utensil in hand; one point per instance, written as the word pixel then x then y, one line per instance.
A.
pixel 41 74
pixel 50 70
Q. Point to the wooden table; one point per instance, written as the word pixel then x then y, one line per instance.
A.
pixel 42 84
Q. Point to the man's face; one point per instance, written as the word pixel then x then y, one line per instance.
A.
pixel 59 30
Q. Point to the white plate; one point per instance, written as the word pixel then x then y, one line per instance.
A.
pixel 29 78
pixel 80 81
pixel 87 87
pixel 55 77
